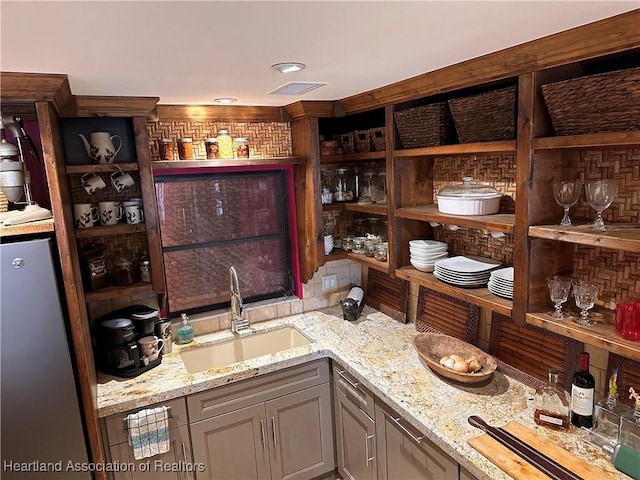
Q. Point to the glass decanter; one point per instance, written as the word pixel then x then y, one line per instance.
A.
pixel 552 404
pixel 630 423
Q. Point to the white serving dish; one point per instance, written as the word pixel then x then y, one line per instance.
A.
pixel 468 198
pixel 423 267
pixel 428 257
pixel 428 244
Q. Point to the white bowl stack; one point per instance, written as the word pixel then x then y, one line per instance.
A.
pixel 425 253
pixel 328 244
pixel 501 282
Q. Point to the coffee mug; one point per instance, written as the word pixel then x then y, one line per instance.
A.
pixel 92 182
pixel 110 213
pixel 85 214
pixel 162 329
pixel 150 347
pixel 133 212
pixel 121 180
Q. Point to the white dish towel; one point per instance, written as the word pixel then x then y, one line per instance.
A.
pixel 149 432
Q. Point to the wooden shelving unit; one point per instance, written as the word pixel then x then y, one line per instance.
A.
pixel 369 262
pixel 602 335
pixel 507 146
pixel 336 254
pixel 107 230
pixel 500 222
pixel 114 292
pixel 373 208
pixel 231 162
pixel 40 226
pixel 594 140
pixel 478 296
pixel 353 157
pixel 103 167
pixel 618 236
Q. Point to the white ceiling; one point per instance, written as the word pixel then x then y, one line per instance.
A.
pixel 192 52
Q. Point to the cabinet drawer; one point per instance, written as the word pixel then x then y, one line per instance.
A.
pixel 255 390
pixel 117 433
pixel 353 389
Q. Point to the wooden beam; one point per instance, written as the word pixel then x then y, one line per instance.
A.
pixel 604 37
pixel 311 109
pixel 31 87
pixel 185 113
pixel 101 106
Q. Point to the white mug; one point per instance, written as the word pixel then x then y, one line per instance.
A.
pixel 133 212
pixel 85 215
pixel 121 180
pixel 92 182
pixel 110 212
pixel 151 346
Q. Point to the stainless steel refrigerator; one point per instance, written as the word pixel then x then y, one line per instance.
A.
pixel 41 420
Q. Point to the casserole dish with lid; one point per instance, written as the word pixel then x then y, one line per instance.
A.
pixel 468 198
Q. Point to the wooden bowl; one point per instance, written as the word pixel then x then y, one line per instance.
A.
pixel 433 346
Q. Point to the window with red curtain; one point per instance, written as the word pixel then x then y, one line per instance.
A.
pixel 210 222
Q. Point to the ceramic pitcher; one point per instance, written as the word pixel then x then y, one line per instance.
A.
pixel 101 148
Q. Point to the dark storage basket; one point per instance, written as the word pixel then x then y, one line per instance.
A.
pixel 347 143
pixel 486 117
pixel 425 126
pixel 606 102
pixel 363 141
pixel 378 139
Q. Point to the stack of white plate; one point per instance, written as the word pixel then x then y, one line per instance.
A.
pixel 424 253
pixel 464 271
pixel 501 282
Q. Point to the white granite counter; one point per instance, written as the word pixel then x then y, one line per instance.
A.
pixel 378 351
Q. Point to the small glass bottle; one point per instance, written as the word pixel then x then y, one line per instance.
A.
pixel 241 147
pixel 185 332
pixel 607 415
pixel 225 144
pixel 145 268
pixel 630 423
pixel 552 404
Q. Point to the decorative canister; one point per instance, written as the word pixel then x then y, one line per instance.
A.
pixel 241 147
pixel 211 147
pixel 185 149
pixel 225 144
pixel 94 267
pixel 167 149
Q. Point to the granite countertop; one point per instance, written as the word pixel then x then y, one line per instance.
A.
pixel 377 350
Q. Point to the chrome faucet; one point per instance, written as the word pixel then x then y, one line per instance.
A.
pixel 238 322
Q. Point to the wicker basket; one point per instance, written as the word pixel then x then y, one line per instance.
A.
pixel 347 142
pixel 606 102
pixel 486 117
pixel 363 141
pixel 425 126
pixel 378 139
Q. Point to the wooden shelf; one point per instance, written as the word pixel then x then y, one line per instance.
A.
pixel 499 222
pixel 231 162
pixel 40 226
pixel 369 262
pixel 115 292
pixel 601 335
pixel 478 296
pixel 336 254
pixel 618 236
pixel 507 146
pixel 352 157
pixel 103 167
pixel 594 140
pixel 108 230
pixel 373 208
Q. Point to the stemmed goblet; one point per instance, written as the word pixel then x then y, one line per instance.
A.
pixel 585 295
pixel 600 194
pixel 559 292
pixel 566 194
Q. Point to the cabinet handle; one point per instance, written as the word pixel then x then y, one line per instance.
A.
pixel 262 435
pixel 273 427
pixel 184 457
pixel 366 448
pixel 347 379
pixel 418 440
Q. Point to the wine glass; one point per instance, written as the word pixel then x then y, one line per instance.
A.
pixel 559 292
pixel 585 295
pixel 566 194
pixel 600 194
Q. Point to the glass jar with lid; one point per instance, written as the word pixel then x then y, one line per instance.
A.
pixel 367 193
pixel 381 187
pixel 124 271
pixel 211 148
pixel 185 148
pixel 342 189
pixel 241 147
pixel 468 198
pixel 225 144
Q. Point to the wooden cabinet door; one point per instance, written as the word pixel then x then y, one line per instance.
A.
pixel 301 434
pixel 403 454
pixel 355 440
pixel 157 467
pixel 232 445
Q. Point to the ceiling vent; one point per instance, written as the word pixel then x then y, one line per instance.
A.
pixel 295 88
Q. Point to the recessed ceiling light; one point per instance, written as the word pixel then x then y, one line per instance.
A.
pixel 225 100
pixel 288 67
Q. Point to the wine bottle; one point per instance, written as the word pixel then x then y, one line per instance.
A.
pixel 583 387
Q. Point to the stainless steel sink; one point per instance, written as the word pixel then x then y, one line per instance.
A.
pixel 242 348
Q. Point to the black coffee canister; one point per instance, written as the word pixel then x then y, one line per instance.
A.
pixel 163 331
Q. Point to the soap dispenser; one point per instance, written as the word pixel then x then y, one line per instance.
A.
pixel 185 332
